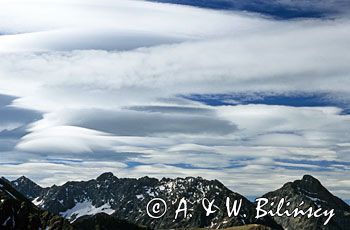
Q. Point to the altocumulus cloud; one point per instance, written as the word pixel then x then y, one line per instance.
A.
pixel 103 86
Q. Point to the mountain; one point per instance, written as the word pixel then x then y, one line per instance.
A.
pixel 17 212
pixel 126 199
pixel 28 187
pixel 313 194
pixel 111 201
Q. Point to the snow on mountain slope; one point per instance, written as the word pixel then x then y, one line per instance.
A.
pixel 86 208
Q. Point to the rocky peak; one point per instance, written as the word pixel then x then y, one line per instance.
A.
pixel 309 182
pixel 106 176
pixel 310 179
pixel 127 198
pixel 313 194
pixel 24 180
pixel 27 187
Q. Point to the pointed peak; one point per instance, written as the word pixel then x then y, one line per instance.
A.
pixel 24 182
pixel 23 179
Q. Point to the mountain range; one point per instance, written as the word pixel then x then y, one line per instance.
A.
pixel 17 212
pixel 109 202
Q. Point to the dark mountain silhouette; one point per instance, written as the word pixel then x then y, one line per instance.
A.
pixel 126 199
pixel 28 187
pixel 109 202
pixel 17 212
pixel 310 191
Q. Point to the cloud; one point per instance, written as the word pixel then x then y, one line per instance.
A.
pixel 110 25
pixel 132 107
pixel 317 54
pixel 13 123
pixel 140 123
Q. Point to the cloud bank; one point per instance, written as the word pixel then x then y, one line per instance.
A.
pixel 105 86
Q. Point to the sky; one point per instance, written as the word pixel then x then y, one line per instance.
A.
pixel 252 95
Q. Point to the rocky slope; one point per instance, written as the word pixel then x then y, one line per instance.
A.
pixel 310 191
pixel 109 199
pixel 126 199
pixel 28 187
pixel 17 212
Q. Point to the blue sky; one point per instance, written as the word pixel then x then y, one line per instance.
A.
pixel 279 9
pixel 254 95
pixel 296 99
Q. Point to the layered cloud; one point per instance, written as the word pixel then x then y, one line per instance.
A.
pixel 109 85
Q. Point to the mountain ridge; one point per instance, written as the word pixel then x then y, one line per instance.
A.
pixel 310 193
pixel 127 198
pixel 99 196
pixel 17 212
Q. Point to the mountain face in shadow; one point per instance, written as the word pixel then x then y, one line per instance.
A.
pixel 28 187
pixel 111 201
pixel 127 199
pixel 17 212
pixel 313 194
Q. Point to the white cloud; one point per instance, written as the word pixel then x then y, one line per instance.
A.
pixel 66 25
pixel 280 62
pixel 105 103
pixel 9 126
pixel 317 126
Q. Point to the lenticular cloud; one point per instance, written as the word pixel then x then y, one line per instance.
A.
pixel 105 83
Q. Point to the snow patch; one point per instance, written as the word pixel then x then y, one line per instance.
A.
pixel 86 208
pixel 150 193
pixel 37 202
pixel 140 197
